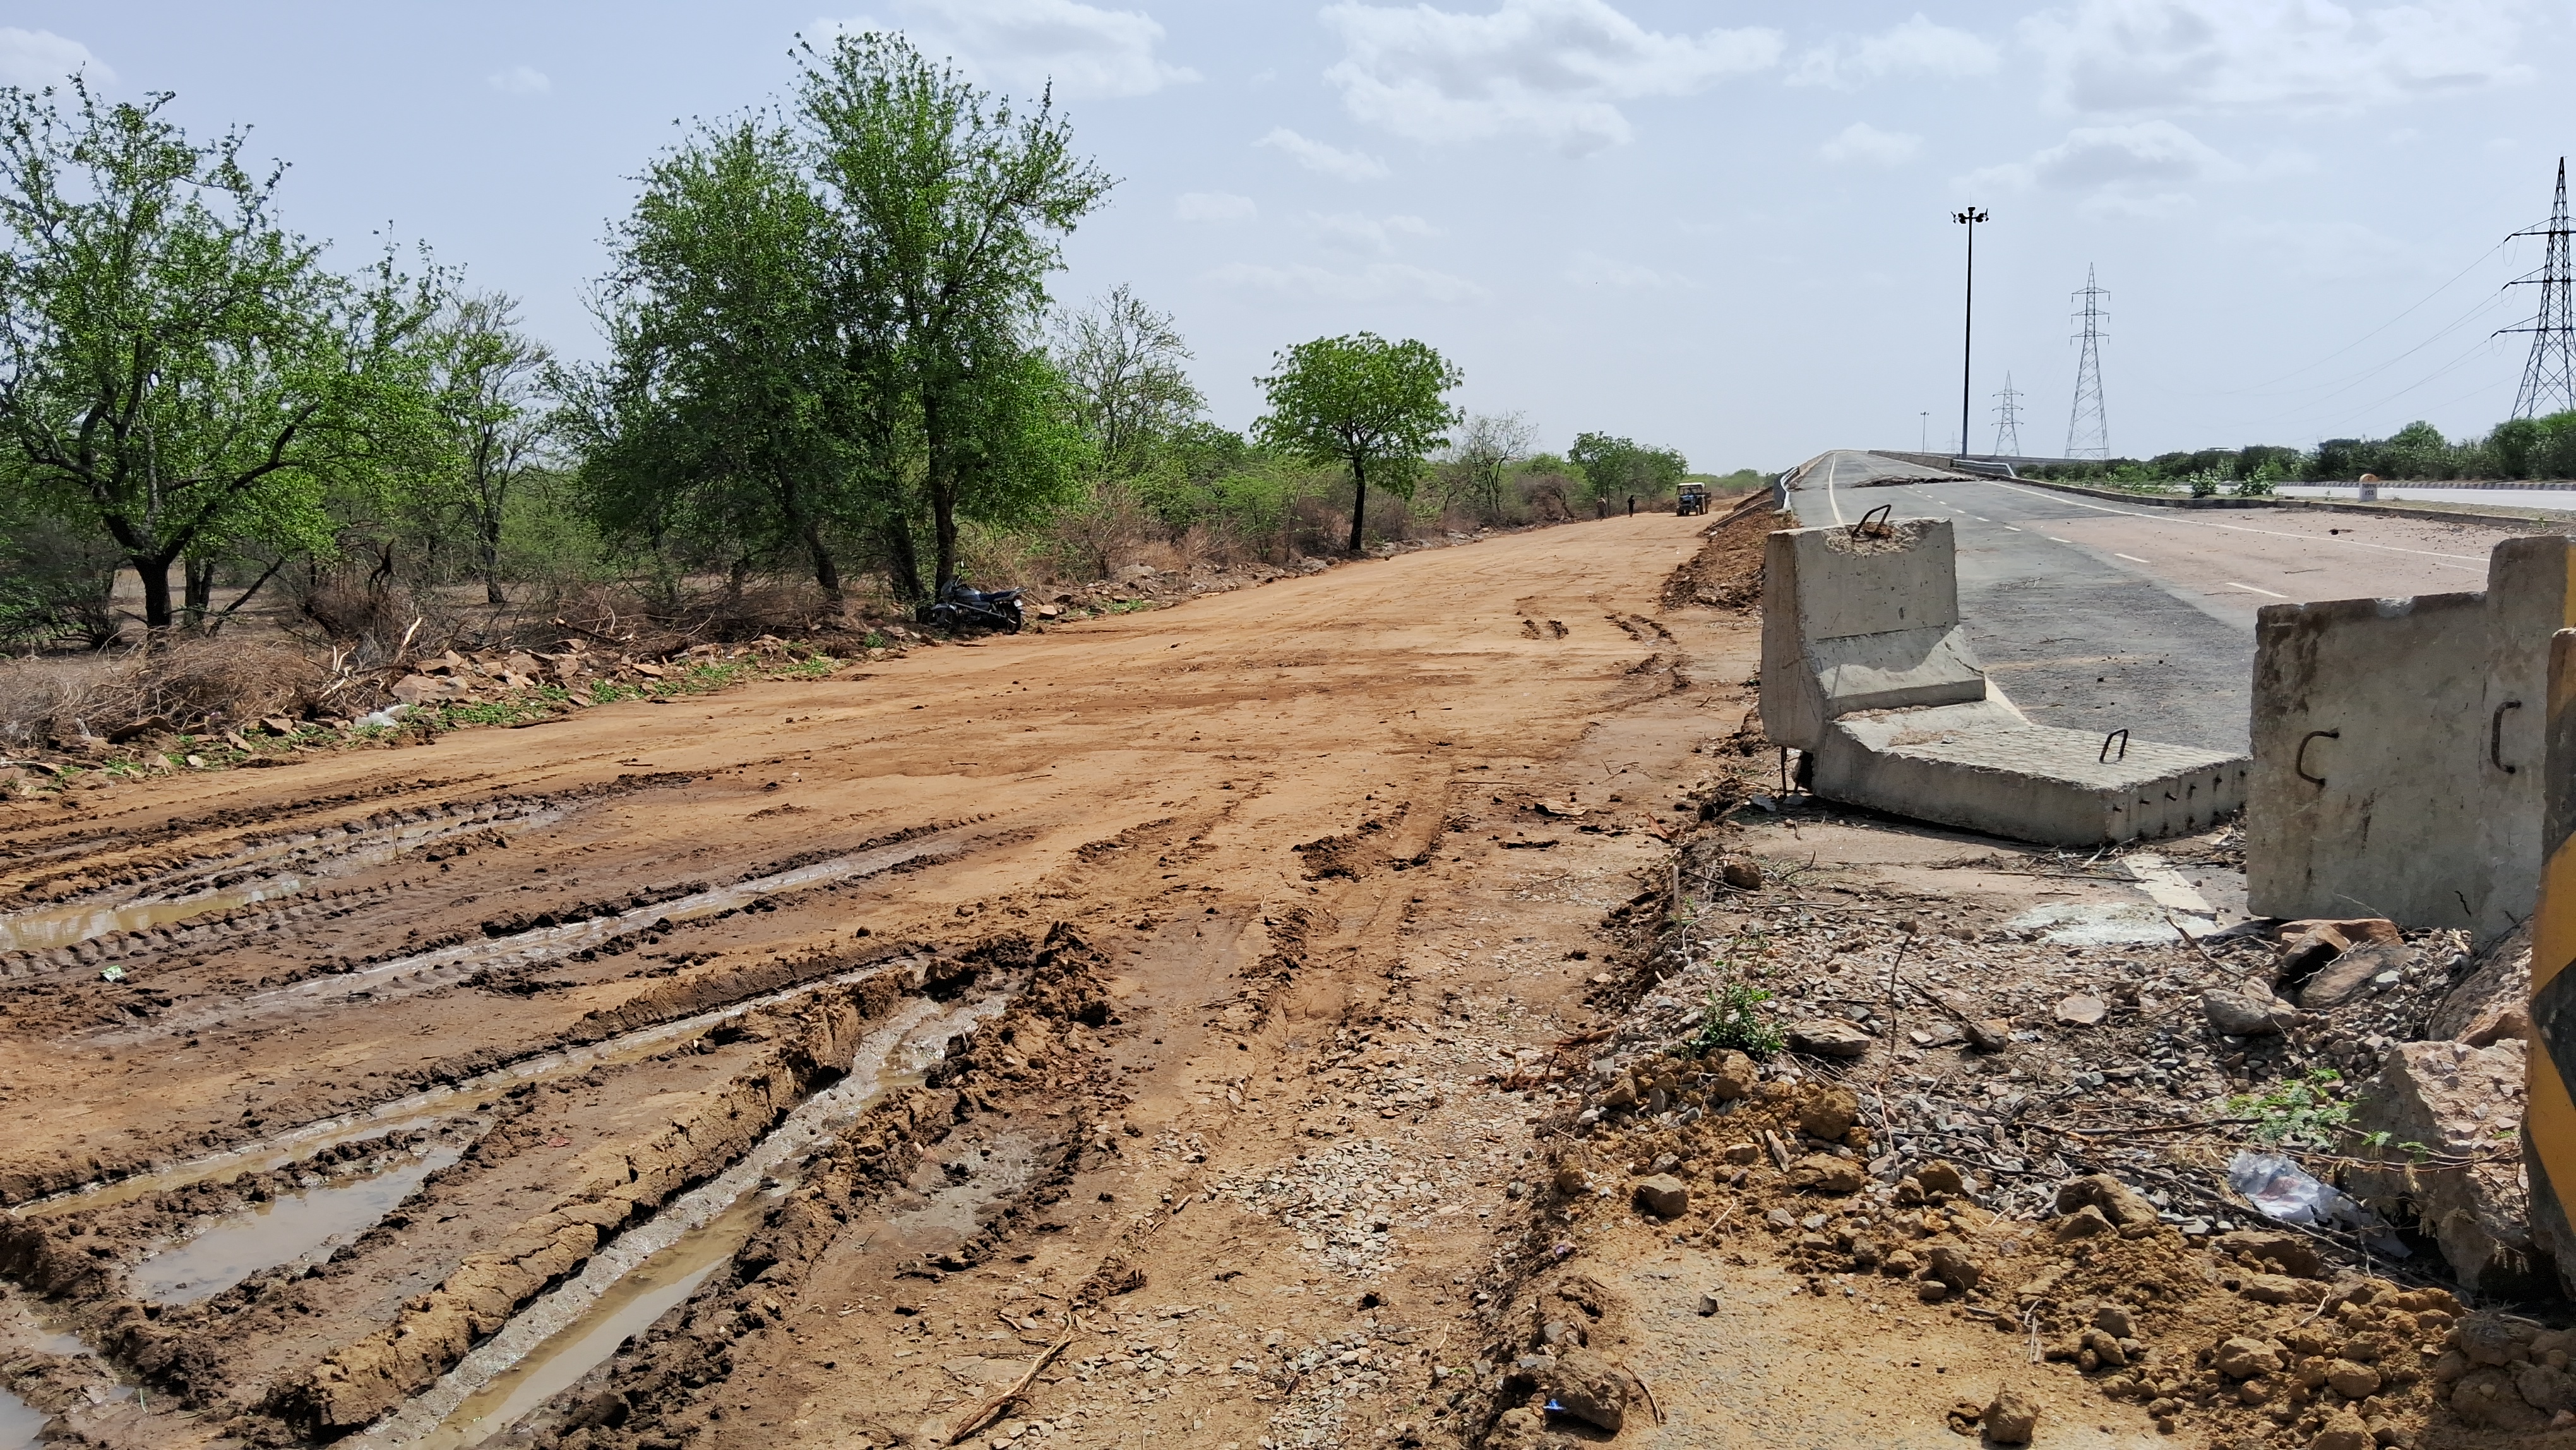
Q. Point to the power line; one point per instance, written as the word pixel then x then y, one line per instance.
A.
pixel 2088 432
pixel 2549 378
pixel 2008 421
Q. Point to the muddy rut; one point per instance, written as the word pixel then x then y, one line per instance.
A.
pixel 1068 1034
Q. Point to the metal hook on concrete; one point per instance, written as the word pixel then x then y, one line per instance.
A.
pixel 2121 735
pixel 2495 736
pixel 1874 523
pixel 2299 763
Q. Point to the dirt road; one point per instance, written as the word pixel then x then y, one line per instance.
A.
pixel 1246 909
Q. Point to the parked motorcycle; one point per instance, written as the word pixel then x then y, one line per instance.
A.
pixel 961 606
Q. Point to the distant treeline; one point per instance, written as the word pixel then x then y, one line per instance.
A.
pixel 2534 448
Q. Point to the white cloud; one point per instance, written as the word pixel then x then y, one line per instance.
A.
pixel 2125 57
pixel 1916 45
pixel 1082 50
pixel 1864 144
pixel 2132 158
pixel 1554 69
pixel 36 59
pixel 2318 250
pixel 1377 282
pixel 1214 206
pixel 520 80
pixel 1366 233
pixel 1328 160
pixel 1591 269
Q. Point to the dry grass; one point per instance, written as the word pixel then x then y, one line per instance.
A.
pixel 184 684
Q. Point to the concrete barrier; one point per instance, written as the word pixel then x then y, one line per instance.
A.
pixel 2549 1114
pixel 2398 758
pixel 1866 668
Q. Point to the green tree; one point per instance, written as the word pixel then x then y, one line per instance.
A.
pixel 1126 368
pixel 722 419
pixel 1618 467
pixel 177 370
pixel 486 392
pixel 1363 403
pixel 950 211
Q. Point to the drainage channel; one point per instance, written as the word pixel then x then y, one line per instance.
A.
pixel 291 1228
pixel 626 1286
pixel 419 1109
pixel 431 969
pixel 298 864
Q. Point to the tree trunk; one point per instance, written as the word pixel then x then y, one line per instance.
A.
pixel 487 538
pixel 903 566
pixel 154 573
pixel 198 581
pixel 826 572
pixel 1359 500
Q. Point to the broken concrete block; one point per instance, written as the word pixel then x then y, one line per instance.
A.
pixel 2458 1102
pixel 2493 1001
pixel 2345 978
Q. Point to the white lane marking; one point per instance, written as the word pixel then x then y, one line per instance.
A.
pixel 2009 529
pixel 2054 539
pixel 2250 589
pixel 1830 470
pixel 1981 518
pixel 2132 558
pixel 2472 561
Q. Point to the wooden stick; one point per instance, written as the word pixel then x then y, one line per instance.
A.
pixel 1657 1409
pixel 993 1408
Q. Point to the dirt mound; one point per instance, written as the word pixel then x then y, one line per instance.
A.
pixel 1726 573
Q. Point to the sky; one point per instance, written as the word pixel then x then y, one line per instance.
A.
pixel 1725 228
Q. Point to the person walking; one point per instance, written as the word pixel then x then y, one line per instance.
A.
pixel 1632 505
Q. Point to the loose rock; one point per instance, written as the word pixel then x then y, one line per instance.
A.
pixel 2011 1418
pixel 1664 1196
pixel 2244 1014
pixel 1829 1037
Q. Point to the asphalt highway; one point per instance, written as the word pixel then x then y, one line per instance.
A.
pixel 2094 615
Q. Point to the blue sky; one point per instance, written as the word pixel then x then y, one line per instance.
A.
pixel 1720 227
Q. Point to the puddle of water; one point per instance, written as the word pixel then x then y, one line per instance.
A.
pixel 419 1109
pixel 431 969
pixel 629 1307
pixel 289 1228
pixel 32 931
pixel 21 1424
pixel 565 1334
pixel 62 926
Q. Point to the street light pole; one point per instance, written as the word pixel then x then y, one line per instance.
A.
pixel 1923 444
pixel 1967 318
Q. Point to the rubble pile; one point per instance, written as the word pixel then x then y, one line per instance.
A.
pixel 1899 1096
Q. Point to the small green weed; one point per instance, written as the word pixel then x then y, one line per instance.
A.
pixel 1736 1020
pixel 2296 1112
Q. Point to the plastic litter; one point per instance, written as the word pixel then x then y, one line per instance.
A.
pixel 384 719
pixel 111 974
pixel 2287 1193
